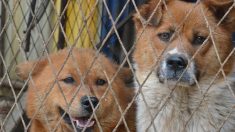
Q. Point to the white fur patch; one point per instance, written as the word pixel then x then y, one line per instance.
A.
pixel 153 114
pixel 174 51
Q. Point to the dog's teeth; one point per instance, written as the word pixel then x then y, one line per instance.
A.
pixel 77 123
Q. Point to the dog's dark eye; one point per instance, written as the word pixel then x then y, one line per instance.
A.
pixel 166 36
pixel 198 40
pixel 69 80
pixel 100 82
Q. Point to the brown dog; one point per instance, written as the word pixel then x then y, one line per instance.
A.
pixel 65 88
pixel 184 58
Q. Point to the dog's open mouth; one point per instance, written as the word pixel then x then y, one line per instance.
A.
pixel 83 122
pixel 79 122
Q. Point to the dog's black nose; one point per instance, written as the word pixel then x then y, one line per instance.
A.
pixel 176 62
pixel 86 103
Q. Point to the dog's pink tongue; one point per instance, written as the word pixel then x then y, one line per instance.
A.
pixel 84 122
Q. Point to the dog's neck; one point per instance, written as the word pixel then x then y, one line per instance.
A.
pixel 175 105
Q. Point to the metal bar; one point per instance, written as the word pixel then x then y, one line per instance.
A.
pixel 30 25
pixel 2 23
pixel 61 41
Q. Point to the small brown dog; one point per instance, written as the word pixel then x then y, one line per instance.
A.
pixel 184 59
pixel 65 88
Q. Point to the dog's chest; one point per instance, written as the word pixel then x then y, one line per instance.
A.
pixel 158 110
pixel 172 118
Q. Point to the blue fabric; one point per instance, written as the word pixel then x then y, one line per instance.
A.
pixel 115 8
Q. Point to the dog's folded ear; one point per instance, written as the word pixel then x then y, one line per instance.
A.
pixel 223 9
pixel 24 70
pixel 149 13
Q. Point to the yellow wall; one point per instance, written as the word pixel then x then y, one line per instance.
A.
pixel 82 22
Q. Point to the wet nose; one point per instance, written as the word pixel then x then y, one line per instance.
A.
pixel 176 62
pixel 86 104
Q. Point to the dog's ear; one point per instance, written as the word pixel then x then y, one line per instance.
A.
pixel 220 8
pixel 150 12
pixel 25 69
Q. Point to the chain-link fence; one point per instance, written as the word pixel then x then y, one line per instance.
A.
pixel 167 65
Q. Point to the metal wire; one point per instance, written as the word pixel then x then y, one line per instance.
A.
pixel 43 43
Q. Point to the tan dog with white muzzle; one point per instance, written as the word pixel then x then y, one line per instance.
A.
pixel 184 57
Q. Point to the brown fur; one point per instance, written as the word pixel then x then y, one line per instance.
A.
pixel 149 44
pixel 43 84
pixel 150 51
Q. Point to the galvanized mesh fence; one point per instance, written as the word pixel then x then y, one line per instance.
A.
pixel 32 30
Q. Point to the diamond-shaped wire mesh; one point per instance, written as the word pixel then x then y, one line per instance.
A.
pixel 152 99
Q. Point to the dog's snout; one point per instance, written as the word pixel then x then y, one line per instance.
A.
pixel 176 62
pixel 86 104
